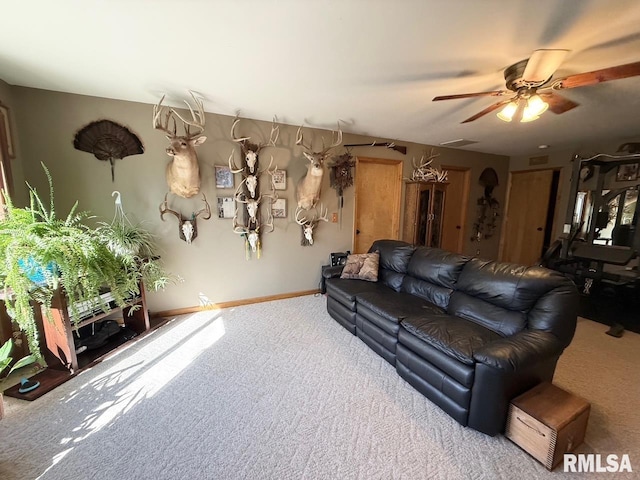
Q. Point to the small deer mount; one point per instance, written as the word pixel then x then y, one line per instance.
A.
pixel 308 225
pixel 187 227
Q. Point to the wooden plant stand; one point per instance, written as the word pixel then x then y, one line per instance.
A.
pixel 58 346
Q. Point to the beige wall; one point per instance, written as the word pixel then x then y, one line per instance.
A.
pixel 214 266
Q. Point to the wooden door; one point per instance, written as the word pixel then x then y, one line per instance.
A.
pixel 527 206
pixel 455 209
pixel 378 191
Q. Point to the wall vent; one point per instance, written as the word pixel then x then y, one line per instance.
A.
pixel 541 160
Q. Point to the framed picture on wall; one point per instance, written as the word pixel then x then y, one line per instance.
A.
pixel 224 177
pixel 279 208
pixel 280 179
pixel 627 172
pixel 4 113
pixel 226 207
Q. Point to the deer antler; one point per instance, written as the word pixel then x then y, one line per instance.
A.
pixel 274 129
pixel 206 210
pixel 300 141
pixel 164 209
pixel 268 223
pixel 336 139
pixel 233 135
pixel 237 228
pixel 334 143
pixel 232 165
pixel 198 118
pixel 324 217
pixel 158 124
pixel 266 169
pixel 301 221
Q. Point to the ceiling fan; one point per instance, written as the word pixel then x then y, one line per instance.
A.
pixel 531 90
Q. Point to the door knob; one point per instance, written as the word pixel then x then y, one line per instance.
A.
pixel 539 229
pixel 357 232
pixel 458 227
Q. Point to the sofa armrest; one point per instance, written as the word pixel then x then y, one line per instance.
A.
pixel 332 271
pixel 520 351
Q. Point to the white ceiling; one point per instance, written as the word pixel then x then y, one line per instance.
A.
pixel 374 64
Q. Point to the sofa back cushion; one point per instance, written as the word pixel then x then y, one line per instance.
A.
pixel 501 320
pixel 394 258
pixel 432 274
pixel 508 298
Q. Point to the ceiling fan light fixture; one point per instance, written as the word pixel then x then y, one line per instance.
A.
pixel 535 106
pixel 531 109
pixel 507 113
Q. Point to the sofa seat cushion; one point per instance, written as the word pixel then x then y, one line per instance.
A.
pixel 395 306
pixel 454 336
pixel 345 290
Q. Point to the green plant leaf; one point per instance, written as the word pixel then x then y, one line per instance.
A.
pixel 23 362
pixel 5 351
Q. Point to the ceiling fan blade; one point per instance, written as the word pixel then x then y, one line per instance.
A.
pixel 557 103
pixel 495 93
pixel 489 109
pixel 599 76
pixel 542 64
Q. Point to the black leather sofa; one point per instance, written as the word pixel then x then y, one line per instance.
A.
pixel 467 333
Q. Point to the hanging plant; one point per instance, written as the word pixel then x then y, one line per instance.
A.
pixel 40 253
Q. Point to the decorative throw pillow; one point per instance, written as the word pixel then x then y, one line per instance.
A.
pixel 362 266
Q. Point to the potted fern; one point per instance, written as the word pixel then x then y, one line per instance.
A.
pixel 40 253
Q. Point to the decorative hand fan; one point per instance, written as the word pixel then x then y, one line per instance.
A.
pixel 108 140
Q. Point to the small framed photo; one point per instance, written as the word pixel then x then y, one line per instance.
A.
pixel 226 207
pixel 279 208
pixel 4 113
pixel 627 172
pixel 280 179
pixel 224 177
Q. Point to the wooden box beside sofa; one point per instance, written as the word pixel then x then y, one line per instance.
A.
pixel 547 422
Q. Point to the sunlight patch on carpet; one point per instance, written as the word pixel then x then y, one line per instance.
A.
pixel 147 377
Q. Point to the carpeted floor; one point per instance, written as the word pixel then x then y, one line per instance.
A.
pixel 281 391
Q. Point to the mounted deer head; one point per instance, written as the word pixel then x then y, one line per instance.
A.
pixel 251 151
pixel 308 189
pixel 187 228
pixel 183 172
pixel 309 225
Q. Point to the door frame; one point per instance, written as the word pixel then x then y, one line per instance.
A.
pixel 505 213
pixel 398 204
